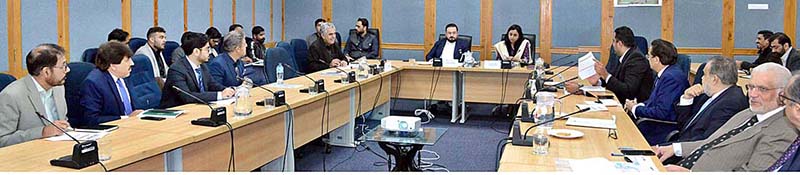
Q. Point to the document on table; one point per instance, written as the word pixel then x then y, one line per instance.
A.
pixel 606 102
pixel 593 107
pixel 224 102
pixel 600 164
pixel 593 89
pixel 592 123
pixel 284 85
pixel 82 136
pixel 586 66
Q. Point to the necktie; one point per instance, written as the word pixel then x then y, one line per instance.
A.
pixel 123 92
pixel 689 161
pixel 788 154
pixel 200 80
pixel 698 113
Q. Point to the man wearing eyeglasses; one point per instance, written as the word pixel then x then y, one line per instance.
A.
pixel 790 97
pixel 41 92
pixel 752 140
pixel 781 44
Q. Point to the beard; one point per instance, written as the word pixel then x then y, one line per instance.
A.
pixel 57 82
pixel 453 39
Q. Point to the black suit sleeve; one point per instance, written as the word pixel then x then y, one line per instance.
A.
pixel 315 55
pixel 634 70
pixel 433 52
pixel 181 80
pixel 211 83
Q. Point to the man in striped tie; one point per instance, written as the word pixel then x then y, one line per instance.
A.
pixel 105 95
pixel 752 140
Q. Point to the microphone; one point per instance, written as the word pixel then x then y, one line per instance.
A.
pixel 83 154
pixel 319 85
pixel 218 115
pixel 525 140
pixel 561 58
pixel 351 76
pixel 562 71
pixel 279 96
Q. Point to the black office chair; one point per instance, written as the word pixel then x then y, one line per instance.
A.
pixel 531 38
pixel 468 38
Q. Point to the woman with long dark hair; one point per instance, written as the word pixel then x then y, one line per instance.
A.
pixel 514 47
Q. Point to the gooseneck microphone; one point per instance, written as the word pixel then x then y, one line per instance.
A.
pixel 351 76
pixel 84 154
pixel 218 115
pixel 319 85
pixel 279 96
pixel 524 139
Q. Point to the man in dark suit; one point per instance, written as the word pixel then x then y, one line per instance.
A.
pixel 325 53
pixel 790 97
pixel 781 44
pixel 105 95
pixel 668 87
pixel 450 47
pixel 764 52
pixel 703 108
pixel 227 67
pixel 192 75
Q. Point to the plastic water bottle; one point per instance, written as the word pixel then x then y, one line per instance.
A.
pixel 279 73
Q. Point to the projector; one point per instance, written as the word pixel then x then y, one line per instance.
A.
pixel 401 124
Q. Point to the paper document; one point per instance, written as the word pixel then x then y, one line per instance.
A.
pixel 586 66
pixel 491 64
pixel 224 102
pixel 606 102
pixel 333 73
pixel 82 136
pixel 593 89
pixel 593 107
pixel 162 113
pixel 284 85
pixel 642 164
pixel 592 123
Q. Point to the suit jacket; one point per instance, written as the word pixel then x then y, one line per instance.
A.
pixel 182 76
pixel 764 56
pixel 632 79
pixel 224 70
pixel 436 52
pixel 18 120
pixel 366 46
pixel 255 49
pixel 147 51
pixel 793 61
pixel 319 52
pixel 668 90
pixel 793 163
pixel 100 100
pixel 716 113
pixel 754 149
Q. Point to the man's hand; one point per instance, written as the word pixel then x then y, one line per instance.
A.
pixel 738 64
pixel 600 69
pixel 693 91
pixel 51 130
pixel 247 59
pixel 594 80
pixel 664 152
pixel 335 63
pixel 572 87
pixel 629 104
pixel 228 93
pixel 675 168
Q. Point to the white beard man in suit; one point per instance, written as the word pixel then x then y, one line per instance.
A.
pixel 752 140
pixel 42 92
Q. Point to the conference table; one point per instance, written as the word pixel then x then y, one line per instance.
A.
pixel 270 134
pixel 595 142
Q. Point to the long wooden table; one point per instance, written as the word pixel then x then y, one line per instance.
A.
pixel 595 142
pixel 176 145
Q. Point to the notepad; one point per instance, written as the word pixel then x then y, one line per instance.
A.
pixel 81 136
pixel 592 123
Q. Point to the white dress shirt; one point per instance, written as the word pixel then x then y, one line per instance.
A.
pixel 448 50
pixel 49 103
pixel 785 56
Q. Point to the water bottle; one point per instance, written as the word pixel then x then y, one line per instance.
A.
pixel 539 65
pixel 279 73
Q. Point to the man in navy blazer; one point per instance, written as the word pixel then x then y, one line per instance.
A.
pixel 669 85
pixel 105 95
pixel 450 47
pixel 192 75
pixel 703 108
pixel 226 67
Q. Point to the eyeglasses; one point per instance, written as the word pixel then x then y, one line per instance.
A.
pixel 758 88
pixel 612 133
pixel 784 98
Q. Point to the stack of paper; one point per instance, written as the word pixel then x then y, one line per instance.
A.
pixel 606 102
pixel 81 136
pixel 586 66
pixel 592 123
pixel 593 89
pixel 593 107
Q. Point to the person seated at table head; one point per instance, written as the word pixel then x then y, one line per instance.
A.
pixel 764 52
pixel 671 81
pixel 449 47
pixel 752 140
pixel 317 35
pixel 227 67
pixel 632 80
pixel 514 47
pixel 105 95
pixel 363 44
pixel 156 39
pixel 704 107
pixel 41 91
pixel 325 53
pixel 119 35
pixel 214 37
pixel 781 44
pixel 192 75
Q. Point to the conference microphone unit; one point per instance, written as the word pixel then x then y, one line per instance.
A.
pixel 279 96
pixel 84 154
pixel 562 71
pixel 218 115
pixel 319 85
pixel 351 76
pixel 524 139
pixel 437 62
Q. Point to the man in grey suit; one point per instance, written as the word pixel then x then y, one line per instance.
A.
pixel 751 140
pixel 781 45
pixel 41 92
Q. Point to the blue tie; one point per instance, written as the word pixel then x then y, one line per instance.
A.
pixel 126 101
pixel 200 80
